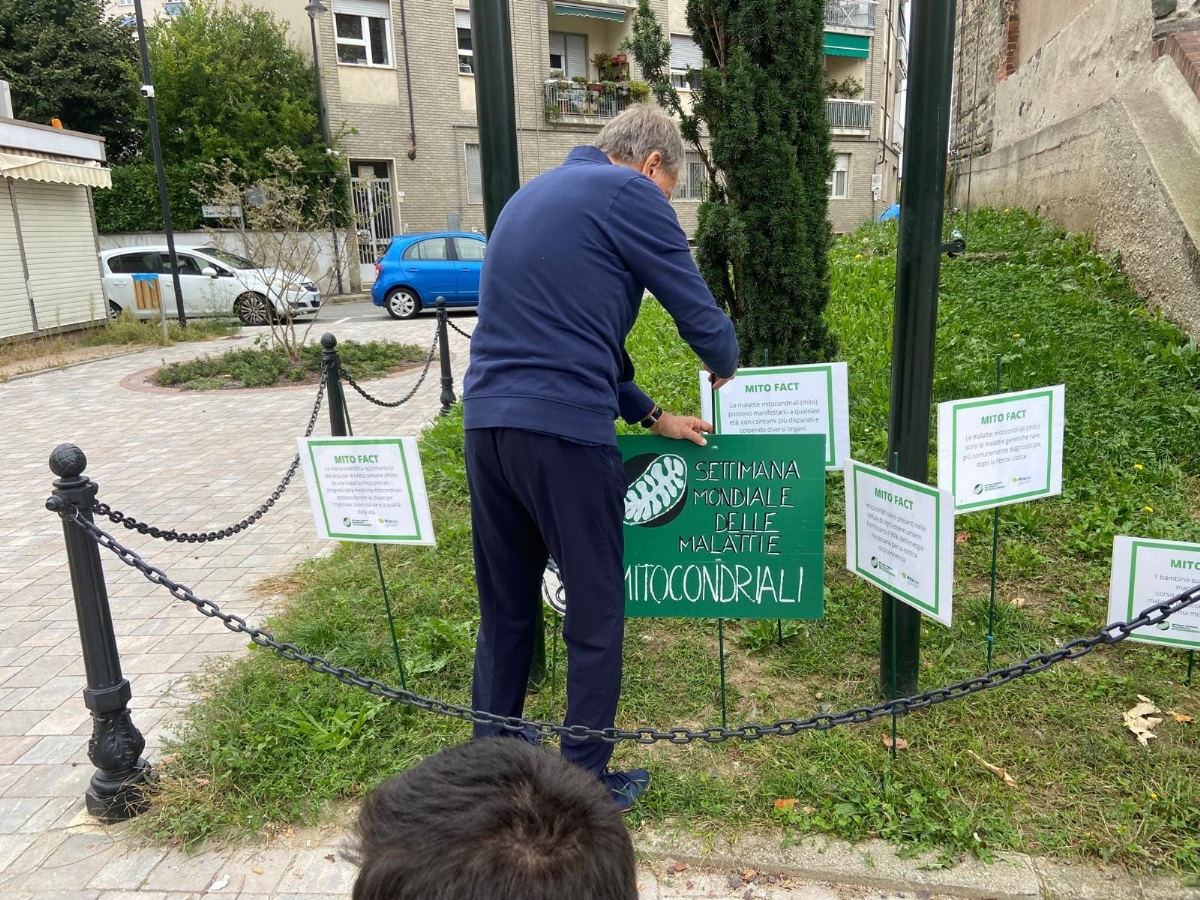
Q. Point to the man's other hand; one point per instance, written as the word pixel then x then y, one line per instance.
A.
pixel 682 428
pixel 718 383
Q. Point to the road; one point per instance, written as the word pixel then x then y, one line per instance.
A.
pixel 358 311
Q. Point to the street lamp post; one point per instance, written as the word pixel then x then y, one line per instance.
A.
pixel 316 8
pixel 148 93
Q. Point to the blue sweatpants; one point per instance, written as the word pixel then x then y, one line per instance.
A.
pixel 533 494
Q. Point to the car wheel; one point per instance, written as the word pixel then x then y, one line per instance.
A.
pixel 403 303
pixel 252 309
pixel 114 311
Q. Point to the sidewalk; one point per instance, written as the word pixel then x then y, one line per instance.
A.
pixel 194 461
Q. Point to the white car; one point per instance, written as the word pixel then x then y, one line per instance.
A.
pixel 214 282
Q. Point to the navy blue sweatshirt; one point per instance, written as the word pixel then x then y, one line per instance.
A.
pixel 566 268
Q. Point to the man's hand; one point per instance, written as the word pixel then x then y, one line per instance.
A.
pixel 718 383
pixel 682 428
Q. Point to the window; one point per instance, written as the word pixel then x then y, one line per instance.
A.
pixel 466 56
pixel 432 250
pixel 125 3
pixel 364 32
pixel 469 249
pixel 693 180
pixel 474 175
pixel 685 56
pixel 136 264
pixel 188 265
pixel 839 181
pixel 568 54
pixel 174 9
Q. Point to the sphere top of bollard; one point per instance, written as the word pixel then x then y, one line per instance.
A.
pixel 328 341
pixel 67 461
pixel 440 301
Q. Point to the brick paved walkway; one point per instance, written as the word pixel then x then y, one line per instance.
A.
pixel 192 461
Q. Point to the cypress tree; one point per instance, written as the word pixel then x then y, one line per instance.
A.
pixel 763 236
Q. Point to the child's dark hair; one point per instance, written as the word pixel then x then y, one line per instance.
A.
pixel 497 819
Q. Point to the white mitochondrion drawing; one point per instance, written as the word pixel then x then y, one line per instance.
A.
pixel 656 491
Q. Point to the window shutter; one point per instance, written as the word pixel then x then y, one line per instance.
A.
pixel 462 18
pixel 685 53
pixel 474 175
pixel 576 56
pixel 378 8
pixel 558 46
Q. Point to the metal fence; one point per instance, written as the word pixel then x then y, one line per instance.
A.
pixel 849 115
pixel 565 99
pixel 850 13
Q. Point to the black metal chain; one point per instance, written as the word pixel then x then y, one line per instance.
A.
pixel 200 537
pixel 1110 634
pixel 416 387
pixel 466 334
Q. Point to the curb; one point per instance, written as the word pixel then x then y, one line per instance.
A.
pixel 875 864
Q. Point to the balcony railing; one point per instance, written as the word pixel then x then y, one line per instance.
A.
pixel 849 115
pixel 858 14
pixel 576 101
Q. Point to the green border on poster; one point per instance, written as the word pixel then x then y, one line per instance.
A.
pixel 830 437
pixel 342 442
pixel 936 609
pixel 1135 545
pixel 971 404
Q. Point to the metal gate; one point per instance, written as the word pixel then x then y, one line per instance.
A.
pixel 372 216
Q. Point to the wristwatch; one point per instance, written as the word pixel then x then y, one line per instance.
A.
pixel 652 417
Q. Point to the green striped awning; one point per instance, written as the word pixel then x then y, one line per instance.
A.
pixel 589 11
pixel 856 45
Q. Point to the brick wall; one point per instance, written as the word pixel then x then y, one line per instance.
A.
pixel 987 48
pixel 1184 48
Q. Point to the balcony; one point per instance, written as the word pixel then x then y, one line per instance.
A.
pixel 571 103
pixel 849 117
pixel 856 15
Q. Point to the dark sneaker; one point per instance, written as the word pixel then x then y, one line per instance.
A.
pixel 626 787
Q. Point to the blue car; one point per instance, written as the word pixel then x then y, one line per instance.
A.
pixel 419 268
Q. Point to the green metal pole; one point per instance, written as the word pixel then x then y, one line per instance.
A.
pixel 918 263
pixel 496 113
pixel 496 105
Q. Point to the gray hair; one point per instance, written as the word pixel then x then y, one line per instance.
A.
pixel 639 131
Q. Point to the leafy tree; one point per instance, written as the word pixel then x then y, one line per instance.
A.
pixel 66 59
pixel 763 236
pixel 230 86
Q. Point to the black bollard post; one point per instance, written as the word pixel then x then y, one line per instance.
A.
pixel 332 367
pixel 117 790
pixel 444 348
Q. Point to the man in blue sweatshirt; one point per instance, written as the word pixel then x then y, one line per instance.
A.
pixel 567 265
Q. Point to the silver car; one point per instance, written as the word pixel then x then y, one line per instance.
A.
pixel 214 282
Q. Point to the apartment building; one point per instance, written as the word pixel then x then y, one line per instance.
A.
pixel 398 79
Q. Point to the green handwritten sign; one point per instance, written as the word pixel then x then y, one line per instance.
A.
pixel 733 530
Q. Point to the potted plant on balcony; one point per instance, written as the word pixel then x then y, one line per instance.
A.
pixel 639 91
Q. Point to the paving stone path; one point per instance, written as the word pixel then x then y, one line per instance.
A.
pixel 194 461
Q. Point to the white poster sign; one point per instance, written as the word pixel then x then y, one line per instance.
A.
pixel 1007 448
pixel 784 400
pixel 367 489
pixel 900 537
pixel 1146 572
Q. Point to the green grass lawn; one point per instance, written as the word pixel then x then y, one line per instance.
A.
pixel 272 742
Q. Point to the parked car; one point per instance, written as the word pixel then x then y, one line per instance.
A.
pixel 419 268
pixel 214 282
